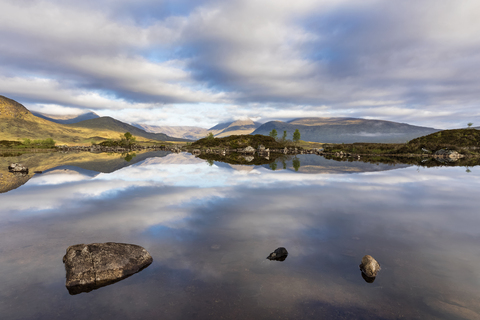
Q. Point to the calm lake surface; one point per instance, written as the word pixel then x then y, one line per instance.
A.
pixel 209 227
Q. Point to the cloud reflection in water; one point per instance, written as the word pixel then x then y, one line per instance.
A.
pixel 209 229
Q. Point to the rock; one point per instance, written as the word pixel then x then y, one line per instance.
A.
pixel 249 149
pixel 17 167
pixel 369 267
pixel 261 148
pixel 280 254
pixel 249 158
pixel 95 265
pixel 196 151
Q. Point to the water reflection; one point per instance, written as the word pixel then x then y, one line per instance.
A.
pixel 209 228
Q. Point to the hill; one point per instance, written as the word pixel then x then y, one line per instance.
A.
pixel 184 132
pixel 66 119
pixel 17 122
pixel 238 141
pixel 460 138
pixel 346 130
pixel 112 124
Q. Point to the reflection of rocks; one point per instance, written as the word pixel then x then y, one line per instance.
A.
pixel 367 279
pixel 249 150
pixel 370 268
pixel 96 265
pixel 249 158
pixel 280 254
pixel 17 167
pixel 451 155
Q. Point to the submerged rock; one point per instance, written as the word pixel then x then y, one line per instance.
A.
pixel 17 167
pixel 280 254
pixel 369 268
pixel 91 266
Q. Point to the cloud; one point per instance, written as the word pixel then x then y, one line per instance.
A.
pixel 343 58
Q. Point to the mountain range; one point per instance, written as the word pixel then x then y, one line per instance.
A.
pixel 17 122
pixel 346 130
pixel 194 133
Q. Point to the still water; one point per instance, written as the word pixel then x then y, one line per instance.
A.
pixel 209 227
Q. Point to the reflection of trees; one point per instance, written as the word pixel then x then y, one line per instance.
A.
pixel 284 164
pixel 129 156
pixel 273 166
pixel 296 163
pixel 210 162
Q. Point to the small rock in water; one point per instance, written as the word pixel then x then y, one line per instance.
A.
pixel 280 254
pixel 91 266
pixel 369 268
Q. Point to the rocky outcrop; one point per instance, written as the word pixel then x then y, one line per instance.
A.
pixel 91 266
pixel 369 268
pixel 17 167
pixel 280 254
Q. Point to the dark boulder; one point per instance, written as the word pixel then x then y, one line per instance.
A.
pixel 280 254
pixel 96 265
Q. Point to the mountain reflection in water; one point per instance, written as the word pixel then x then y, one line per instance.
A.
pixel 209 228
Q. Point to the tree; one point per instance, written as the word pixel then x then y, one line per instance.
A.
pixel 470 124
pixel 296 136
pixel 209 136
pixel 273 166
pixel 273 134
pixel 284 138
pixel 127 140
pixel 296 163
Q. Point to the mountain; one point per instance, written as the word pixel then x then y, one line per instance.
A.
pixel 112 124
pixel 234 128
pixel 184 132
pixel 17 123
pixel 346 130
pixel 66 119
pixel 190 132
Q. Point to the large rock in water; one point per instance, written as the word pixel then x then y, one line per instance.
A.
pixel 369 268
pixel 91 266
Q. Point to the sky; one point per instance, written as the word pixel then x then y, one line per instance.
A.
pixel 201 62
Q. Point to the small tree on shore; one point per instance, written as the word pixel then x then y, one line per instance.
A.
pixel 296 136
pixel 469 124
pixel 284 138
pixel 127 140
pixel 210 136
pixel 273 134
